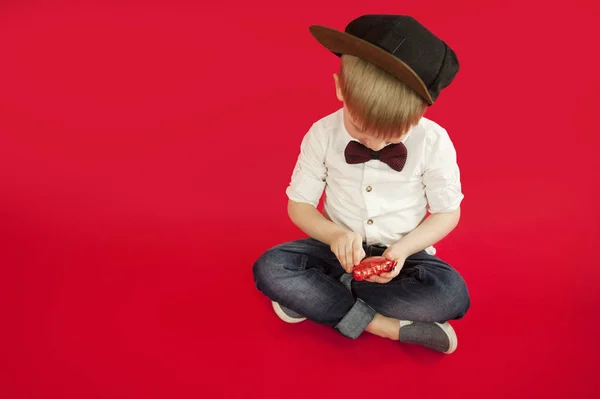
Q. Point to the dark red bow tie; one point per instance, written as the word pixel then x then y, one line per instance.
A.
pixel 394 155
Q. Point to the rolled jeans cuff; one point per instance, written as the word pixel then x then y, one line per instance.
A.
pixel 356 320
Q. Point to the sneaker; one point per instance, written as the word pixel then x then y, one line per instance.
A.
pixel 437 336
pixel 287 315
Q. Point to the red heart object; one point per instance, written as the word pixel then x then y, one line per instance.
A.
pixel 371 266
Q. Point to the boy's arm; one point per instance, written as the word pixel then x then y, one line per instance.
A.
pixel 443 189
pixel 305 190
pixel 308 219
pixel 432 230
pixel 444 196
pixel 345 244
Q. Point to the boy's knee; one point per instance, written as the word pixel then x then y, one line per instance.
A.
pixel 459 300
pixel 263 267
pixel 270 266
pixel 465 302
pixel 451 301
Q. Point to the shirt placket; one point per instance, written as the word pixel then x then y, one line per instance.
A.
pixel 369 194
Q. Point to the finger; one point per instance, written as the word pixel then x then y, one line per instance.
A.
pixel 349 257
pixel 341 260
pixel 342 257
pixel 339 254
pixel 380 280
pixel 392 274
pixel 358 252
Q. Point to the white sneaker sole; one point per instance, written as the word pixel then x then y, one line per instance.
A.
pixel 279 312
pixel 451 336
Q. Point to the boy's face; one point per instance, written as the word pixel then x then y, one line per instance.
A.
pixel 354 129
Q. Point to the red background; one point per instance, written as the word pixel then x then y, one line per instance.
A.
pixel 144 155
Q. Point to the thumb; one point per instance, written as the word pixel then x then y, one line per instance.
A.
pixel 389 253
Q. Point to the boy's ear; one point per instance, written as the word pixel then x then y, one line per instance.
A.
pixel 338 89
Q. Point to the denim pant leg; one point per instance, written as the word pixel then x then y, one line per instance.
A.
pixel 303 276
pixel 427 289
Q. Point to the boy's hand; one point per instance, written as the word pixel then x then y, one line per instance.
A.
pixel 393 253
pixel 347 247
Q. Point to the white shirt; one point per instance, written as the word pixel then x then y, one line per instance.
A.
pixel 371 198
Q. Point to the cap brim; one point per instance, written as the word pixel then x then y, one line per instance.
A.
pixel 344 43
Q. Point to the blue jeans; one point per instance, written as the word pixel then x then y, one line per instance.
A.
pixel 306 277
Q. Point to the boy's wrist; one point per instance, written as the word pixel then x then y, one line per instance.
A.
pixel 401 250
pixel 337 232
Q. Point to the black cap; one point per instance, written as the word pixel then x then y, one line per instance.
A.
pixel 398 44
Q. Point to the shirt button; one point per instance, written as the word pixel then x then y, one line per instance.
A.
pixel 370 221
pixel 369 188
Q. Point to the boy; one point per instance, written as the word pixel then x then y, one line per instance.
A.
pixel 383 167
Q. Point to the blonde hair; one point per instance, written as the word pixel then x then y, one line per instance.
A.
pixel 383 106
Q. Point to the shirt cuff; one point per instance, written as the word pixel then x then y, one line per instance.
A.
pixel 446 199
pixel 306 190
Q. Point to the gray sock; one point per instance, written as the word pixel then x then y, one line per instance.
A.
pixel 429 335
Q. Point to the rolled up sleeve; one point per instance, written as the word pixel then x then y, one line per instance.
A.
pixel 309 175
pixel 442 175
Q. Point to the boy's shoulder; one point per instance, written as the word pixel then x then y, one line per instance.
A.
pixel 326 130
pixel 331 121
pixel 429 130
